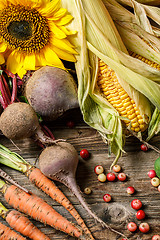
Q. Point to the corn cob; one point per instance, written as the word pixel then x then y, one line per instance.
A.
pixel 119 98
pixel 145 60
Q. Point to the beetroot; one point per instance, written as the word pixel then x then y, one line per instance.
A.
pixel 51 91
pixel 59 162
pixel 19 121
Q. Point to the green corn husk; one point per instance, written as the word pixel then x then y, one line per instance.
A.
pixel 97 37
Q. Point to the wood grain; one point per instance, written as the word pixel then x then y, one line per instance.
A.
pixel 118 212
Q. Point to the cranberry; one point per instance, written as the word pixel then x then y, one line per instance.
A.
pixel 140 215
pixel 107 197
pixel 102 177
pixel 155 182
pixel 70 124
pixel 156 237
pixel 84 153
pixel 159 188
pixel 136 204
pixel 152 173
pixel 116 168
pixel 132 227
pixel 130 190
pixel 144 147
pixel 98 169
pixel 122 177
pixel 111 177
pixel 144 227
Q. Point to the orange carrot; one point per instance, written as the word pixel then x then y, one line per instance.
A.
pixel 23 225
pixel 38 209
pixel 48 186
pixel 7 234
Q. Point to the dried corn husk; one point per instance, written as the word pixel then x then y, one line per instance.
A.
pixel 98 38
pixel 133 34
pixel 151 11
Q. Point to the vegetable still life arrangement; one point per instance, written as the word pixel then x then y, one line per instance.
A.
pixel 100 57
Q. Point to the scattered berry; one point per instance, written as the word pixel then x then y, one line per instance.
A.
pixel 156 237
pixel 132 227
pixel 116 168
pixel 111 177
pixel 107 197
pixel 136 204
pixel 98 169
pixel 159 188
pixel 70 124
pixel 84 153
pixel 102 177
pixel 130 190
pixel 140 215
pixel 144 147
pixel 87 191
pixel 155 182
pixel 152 173
pixel 144 227
pixel 122 177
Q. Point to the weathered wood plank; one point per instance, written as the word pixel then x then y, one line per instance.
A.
pixel 117 213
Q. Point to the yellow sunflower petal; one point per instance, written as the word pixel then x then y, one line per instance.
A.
pixel 63 45
pixel 65 20
pixel 57 31
pixel 14 62
pixel 66 31
pixel 64 55
pixel 2 4
pixel 2 60
pixel 52 58
pixel 50 8
pixel 29 62
pixel 40 60
pixel 21 72
pixel 3 47
pixel 60 13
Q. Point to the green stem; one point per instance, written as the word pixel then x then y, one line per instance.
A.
pixel 2 184
pixel 3 211
pixel 12 160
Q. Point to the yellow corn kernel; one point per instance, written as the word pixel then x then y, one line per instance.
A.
pixel 145 60
pixel 109 85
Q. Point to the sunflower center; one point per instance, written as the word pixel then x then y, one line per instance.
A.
pixel 23 28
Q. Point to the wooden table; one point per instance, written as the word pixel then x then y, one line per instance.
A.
pixel 118 212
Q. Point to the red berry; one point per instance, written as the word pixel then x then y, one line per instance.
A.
pixel 111 177
pixel 84 153
pixel 144 147
pixel 107 197
pixel 136 204
pixel 144 227
pixel 130 190
pixel 116 168
pixel 152 173
pixel 70 124
pixel 132 227
pixel 122 177
pixel 140 215
pixel 98 169
pixel 156 237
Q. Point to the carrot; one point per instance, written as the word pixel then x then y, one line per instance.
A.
pixel 15 161
pixel 38 209
pixel 23 225
pixel 8 234
pixel 48 186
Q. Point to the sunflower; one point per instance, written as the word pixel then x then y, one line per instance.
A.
pixel 33 34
